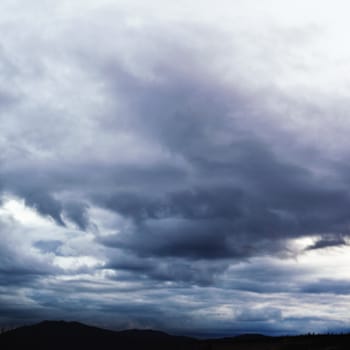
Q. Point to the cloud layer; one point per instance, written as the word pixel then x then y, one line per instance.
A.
pixel 174 167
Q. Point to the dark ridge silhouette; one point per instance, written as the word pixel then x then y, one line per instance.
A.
pixel 73 335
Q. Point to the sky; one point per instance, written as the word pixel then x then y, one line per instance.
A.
pixel 176 165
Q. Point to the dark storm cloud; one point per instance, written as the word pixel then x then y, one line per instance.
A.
pixel 166 269
pixel 263 277
pixel 231 220
pixel 18 270
pixel 333 241
pixel 238 191
pixel 232 196
pixel 19 314
pixel 77 212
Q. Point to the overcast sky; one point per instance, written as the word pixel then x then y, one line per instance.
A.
pixel 179 165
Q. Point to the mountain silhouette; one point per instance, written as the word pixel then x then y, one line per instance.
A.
pixel 73 335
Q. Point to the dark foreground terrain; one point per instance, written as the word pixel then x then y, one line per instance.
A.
pixel 72 335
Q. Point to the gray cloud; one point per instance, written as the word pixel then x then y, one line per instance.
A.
pixel 229 181
pixel 48 246
pixel 328 286
pixel 333 241
pixel 168 156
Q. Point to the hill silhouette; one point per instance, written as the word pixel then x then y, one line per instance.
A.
pixel 73 335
